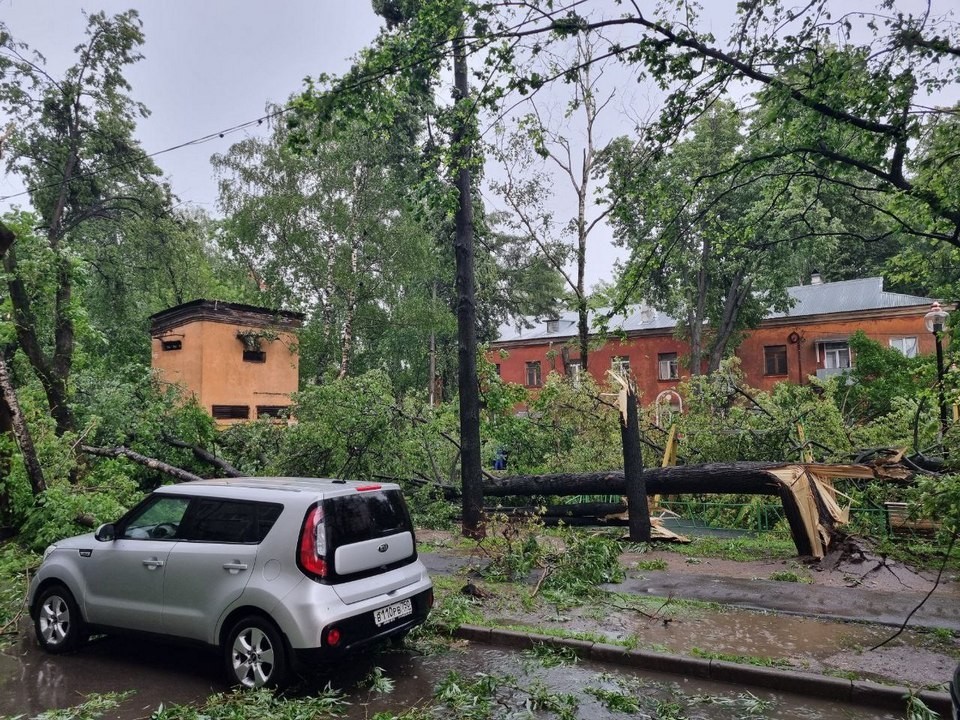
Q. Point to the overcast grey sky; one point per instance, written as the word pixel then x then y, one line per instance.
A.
pixel 213 64
pixel 208 65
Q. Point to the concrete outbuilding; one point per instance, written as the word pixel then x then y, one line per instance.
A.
pixel 240 362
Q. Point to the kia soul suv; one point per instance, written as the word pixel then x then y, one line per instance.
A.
pixel 277 573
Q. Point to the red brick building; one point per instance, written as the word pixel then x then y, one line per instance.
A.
pixel 812 338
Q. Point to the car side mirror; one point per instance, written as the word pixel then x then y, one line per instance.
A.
pixel 105 533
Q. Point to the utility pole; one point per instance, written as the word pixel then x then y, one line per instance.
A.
pixel 432 392
pixel 469 389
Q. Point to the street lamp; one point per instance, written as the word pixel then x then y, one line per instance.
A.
pixel 935 320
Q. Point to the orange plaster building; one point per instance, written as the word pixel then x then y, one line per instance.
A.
pixel 811 338
pixel 239 361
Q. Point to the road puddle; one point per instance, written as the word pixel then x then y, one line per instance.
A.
pixel 509 682
pixel 32 681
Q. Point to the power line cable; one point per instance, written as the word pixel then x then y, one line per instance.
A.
pixel 434 53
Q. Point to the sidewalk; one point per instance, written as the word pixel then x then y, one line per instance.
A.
pixel 833 603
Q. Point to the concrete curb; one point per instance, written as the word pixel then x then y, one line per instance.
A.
pixel 856 692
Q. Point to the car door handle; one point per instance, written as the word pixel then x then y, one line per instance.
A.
pixel 234 567
pixel 153 563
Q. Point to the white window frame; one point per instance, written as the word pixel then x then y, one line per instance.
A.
pixel 574 370
pixel 668 366
pixel 835 354
pixel 908 345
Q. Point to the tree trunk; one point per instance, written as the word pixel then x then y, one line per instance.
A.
pixel 9 402
pixel 809 506
pixel 21 431
pixel 637 507
pixel 747 478
pixel 736 295
pixel 699 314
pixel 346 338
pixel 205 455
pixel 152 463
pixel 583 330
pixel 469 388
pixel 52 372
pixel 7 237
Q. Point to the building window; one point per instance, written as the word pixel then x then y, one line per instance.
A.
pixel 906 345
pixel 775 360
pixel 836 355
pixel 270 410
pixel 574 369
pixel 254 356
pixel 620 364
pixel 231 412
pixel 497 366
pixel 553 326
pixel 668 367
pixel 168 345
pixel 533 374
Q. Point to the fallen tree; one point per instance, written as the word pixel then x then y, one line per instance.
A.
pixel 806 490
pixel 179 474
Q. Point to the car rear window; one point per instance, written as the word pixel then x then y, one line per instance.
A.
pixel 354 518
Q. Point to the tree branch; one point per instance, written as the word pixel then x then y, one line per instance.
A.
pixel 152 463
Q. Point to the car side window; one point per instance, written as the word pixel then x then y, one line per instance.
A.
pixel 229 521
pixel 157 520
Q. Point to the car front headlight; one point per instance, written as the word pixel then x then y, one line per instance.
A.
pixel 50 549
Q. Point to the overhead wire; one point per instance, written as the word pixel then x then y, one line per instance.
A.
pixel 362 81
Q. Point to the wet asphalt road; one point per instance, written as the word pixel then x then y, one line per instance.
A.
pixel 32 682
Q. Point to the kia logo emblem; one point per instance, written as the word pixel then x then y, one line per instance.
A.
pixel 383 548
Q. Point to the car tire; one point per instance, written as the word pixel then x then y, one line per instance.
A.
pixel 254 654
pixel 57 622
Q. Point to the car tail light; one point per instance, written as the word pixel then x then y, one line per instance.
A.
pixel 332 636
pixel 313 543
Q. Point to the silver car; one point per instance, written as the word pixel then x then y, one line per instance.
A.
pixel 277 573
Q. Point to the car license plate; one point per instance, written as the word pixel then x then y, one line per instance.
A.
pixel 391 612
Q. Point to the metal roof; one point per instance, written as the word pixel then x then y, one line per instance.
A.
pixel 817 299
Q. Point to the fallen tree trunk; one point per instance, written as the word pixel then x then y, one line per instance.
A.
pixel 806 491
pixel 204 455
pixel 571 510
pixel 152 463
pixel 20 429
pixel 735 478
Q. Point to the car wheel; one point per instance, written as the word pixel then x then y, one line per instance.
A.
pixel 255 654
pixel 58 625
